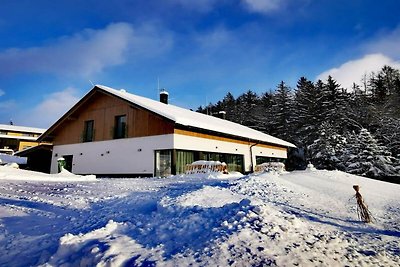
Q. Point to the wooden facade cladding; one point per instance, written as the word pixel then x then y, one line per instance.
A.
pixel 226 139
pixel 102 109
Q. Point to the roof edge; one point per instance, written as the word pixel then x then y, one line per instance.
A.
pixel 43 136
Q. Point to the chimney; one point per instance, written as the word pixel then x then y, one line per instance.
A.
pixel 163 96
pixel 222 115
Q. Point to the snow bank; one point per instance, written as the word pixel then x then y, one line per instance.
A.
pixel 106 246
pixel 10 173
pixel 209 197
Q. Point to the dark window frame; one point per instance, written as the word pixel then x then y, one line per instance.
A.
pixel 165 166
pixel 88 131
pixel 264 159
pixel 120 126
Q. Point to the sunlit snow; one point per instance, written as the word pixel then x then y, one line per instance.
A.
pixel 304 218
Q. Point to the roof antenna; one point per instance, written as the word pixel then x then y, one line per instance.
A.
pixel 91 83
pixel 158 86
pixel 206 105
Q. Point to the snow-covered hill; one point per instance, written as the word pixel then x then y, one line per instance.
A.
pixel 305 218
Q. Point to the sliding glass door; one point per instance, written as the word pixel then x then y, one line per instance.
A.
pixel 163 163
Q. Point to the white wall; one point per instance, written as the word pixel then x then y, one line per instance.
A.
pixel 202 144
pixel 120 156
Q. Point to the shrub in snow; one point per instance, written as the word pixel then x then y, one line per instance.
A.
pixel 311 167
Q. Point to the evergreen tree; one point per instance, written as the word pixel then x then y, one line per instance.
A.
pixel 389 133
pixel 282 112
pixel 327 150
pixel 246 106
pixel 333 103
pixel 264 115
pixel 306 116
pixel 364 156
pixel 229 106
pixel 391 83
pixel 358 114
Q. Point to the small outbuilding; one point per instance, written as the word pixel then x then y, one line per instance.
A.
pixel 38 158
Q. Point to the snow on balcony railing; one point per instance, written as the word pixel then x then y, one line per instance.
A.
pixel 203 166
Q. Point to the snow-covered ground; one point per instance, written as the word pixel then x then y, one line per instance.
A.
pixel 304 218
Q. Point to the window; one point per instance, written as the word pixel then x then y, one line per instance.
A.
pixel 261 160
pixel 120 127
pixel 163 163
pixel 183 158
pixel 234 162
pixel 88 131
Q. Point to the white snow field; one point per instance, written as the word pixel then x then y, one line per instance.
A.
pixel 302 218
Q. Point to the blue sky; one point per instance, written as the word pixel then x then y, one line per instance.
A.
pixel 51 51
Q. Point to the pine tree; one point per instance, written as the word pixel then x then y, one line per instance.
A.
pixel 389 133
pixel 246 106
pixel 306 116
pixel 282 112
pixel 229 106
pixel 264 115
pixel 333 103
pixel 391 83
pixel 326 151
pixel 364 156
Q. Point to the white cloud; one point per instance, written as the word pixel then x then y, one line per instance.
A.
pixel 354 70
pixel 86 52
pixel 50 109
pixel 264 6
pixel 386 43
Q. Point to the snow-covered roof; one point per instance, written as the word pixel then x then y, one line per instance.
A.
pixel 18 137
pixel 190 118
pixel 7 127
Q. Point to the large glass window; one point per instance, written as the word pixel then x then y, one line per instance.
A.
pixel 168 162
pixel 261 160
pixel 120 127
pixel 183 158
pixel 234 162
pixel 163 163
pixel 88 131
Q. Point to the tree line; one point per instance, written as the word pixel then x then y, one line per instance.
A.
pixel 356 130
